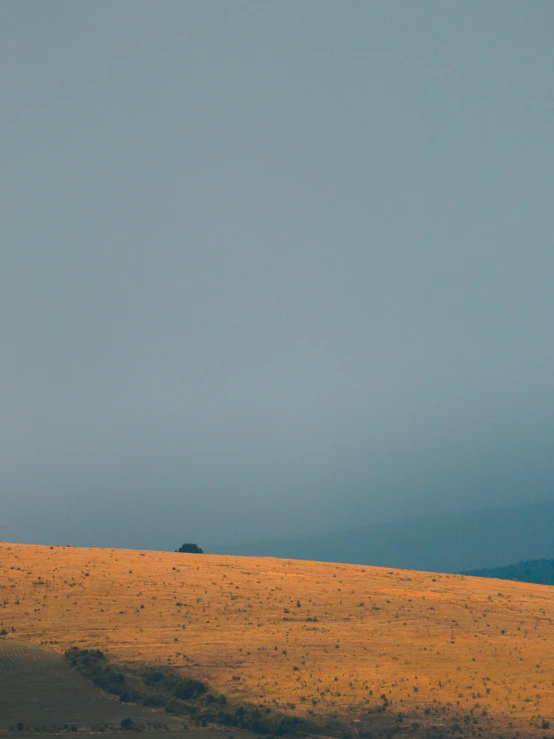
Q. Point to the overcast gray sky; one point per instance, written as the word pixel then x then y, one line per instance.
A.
pixel 272 268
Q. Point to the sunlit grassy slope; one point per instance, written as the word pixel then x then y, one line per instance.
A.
pixel 333 642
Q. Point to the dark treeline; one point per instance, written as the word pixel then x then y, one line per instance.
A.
pixel 539 571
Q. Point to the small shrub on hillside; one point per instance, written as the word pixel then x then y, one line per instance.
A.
pixel 153 701
pixel 153 677
pixel 189 688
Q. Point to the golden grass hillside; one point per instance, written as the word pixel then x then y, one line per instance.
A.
pixel 361 646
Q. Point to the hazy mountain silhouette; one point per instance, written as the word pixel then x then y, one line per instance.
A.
pixel 451 542
pixel 536 570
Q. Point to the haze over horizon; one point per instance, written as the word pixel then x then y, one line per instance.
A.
pixel 272 269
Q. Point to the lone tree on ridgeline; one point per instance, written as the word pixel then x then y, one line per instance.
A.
pixel 190 549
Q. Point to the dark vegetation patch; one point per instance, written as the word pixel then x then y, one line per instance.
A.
pixel 159 688
pixel 189 548
pixel 164 688
pixel 539 571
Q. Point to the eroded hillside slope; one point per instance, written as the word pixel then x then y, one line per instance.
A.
pixel 342 643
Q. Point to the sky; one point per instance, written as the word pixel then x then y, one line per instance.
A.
pixel 272 268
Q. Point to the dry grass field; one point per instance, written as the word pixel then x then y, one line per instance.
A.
pixel 369 650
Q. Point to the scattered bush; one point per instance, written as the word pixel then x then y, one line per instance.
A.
pixel 189 688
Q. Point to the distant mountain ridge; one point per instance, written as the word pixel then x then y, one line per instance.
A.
pixel 452 542
pixel 539 571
